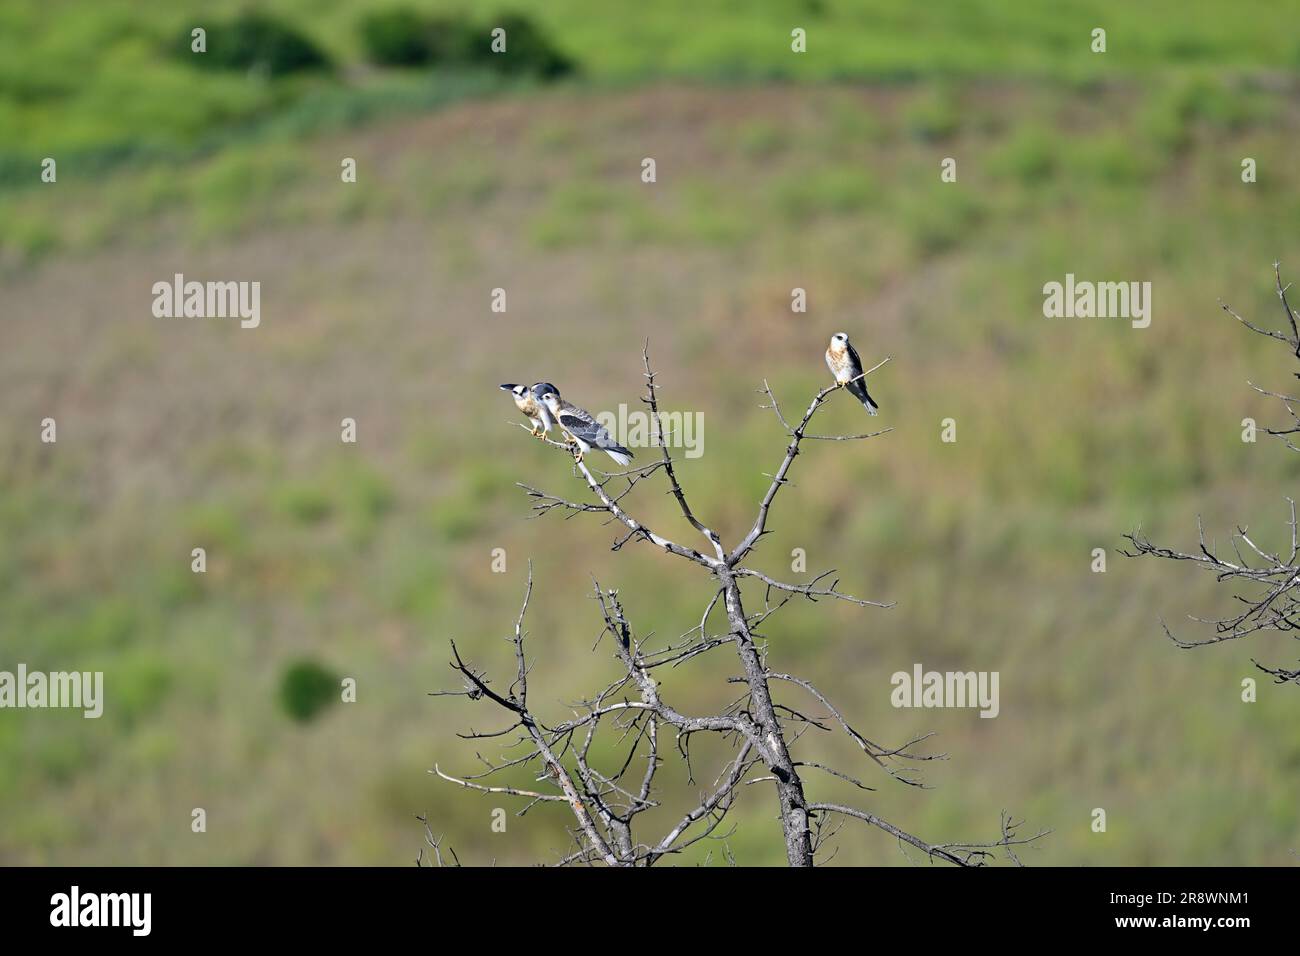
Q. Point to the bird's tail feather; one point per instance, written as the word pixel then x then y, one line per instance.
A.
pixel 859 390
pixel 620 455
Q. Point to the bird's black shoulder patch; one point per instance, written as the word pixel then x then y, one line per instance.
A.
pixel 854 360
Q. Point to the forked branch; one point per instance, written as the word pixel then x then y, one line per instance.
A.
pixel 1265 584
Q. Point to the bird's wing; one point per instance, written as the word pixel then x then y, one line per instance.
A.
pixel 855 363
pixel 575 422
pixel 588 429
pixel 575 414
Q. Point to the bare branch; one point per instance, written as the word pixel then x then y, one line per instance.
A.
pixel 961 854
pixel 792 450
pixel 1266 584
pixel 810 590
pixel 652 400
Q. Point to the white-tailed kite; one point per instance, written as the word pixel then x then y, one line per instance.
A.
pixel 842 359
pixel 586 431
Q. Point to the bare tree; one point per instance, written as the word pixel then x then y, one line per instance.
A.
pixel 1266 583
pixel 759 728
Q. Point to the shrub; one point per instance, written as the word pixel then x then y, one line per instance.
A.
pixel 404 37
pixel 256 41
pixel 528 50
pixel 394 38
pixel 306 689
pixel 454 41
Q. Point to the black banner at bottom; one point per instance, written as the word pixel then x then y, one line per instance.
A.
pixel 341 905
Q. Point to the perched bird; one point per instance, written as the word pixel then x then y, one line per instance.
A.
pixel 842 359
pixel 526 400
pixel 586 431
pixel 538 390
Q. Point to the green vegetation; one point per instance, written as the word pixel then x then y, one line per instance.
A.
pixel 402 37
pixel 253 43
pixel 307 688
pixel 109 82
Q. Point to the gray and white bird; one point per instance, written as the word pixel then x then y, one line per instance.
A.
pixel 586 431
pixel 842 359
pixel 527 400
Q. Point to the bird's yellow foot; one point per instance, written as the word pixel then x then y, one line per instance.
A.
pixel 537 433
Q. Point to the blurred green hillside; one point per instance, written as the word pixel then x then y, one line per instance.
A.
pixel 775 171
pixel 112 81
